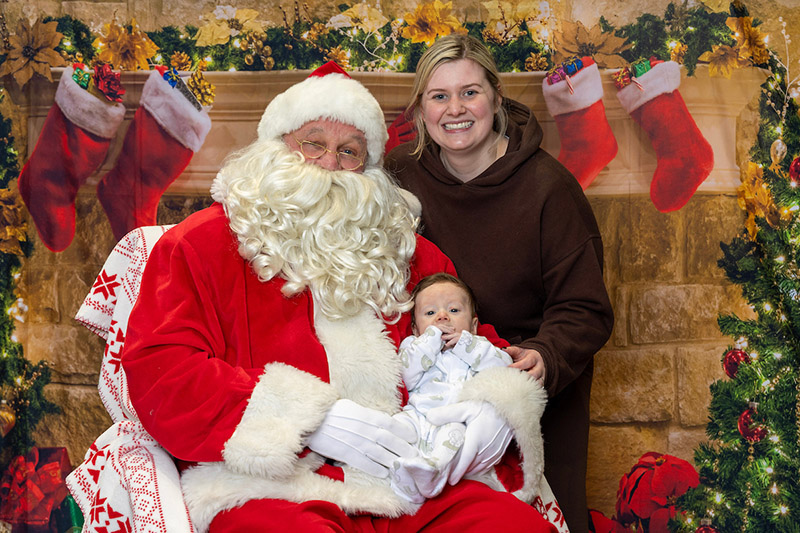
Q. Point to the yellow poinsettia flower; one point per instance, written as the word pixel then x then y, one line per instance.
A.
pixel 603 47
pixel 123 50
pixel 722 60
pixel 13 228
pixel 32 51
pixel 505 18
pixel 213 32
pixel 366 18
pixel 749 39
pixel 754 196
pixel 429 21
pixel 226 22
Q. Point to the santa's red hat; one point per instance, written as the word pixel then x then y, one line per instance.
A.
pixel 328 93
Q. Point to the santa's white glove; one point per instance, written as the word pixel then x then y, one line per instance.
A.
pixel 485 441
pixel 363 438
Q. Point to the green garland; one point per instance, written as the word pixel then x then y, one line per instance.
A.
pixel 292 48
pixel 697 28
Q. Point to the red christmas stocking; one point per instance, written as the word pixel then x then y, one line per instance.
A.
pixel 685 159
pixel 573 94
pixel 73 143
pixel 165 133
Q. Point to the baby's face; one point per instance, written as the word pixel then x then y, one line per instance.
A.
pixel 445 306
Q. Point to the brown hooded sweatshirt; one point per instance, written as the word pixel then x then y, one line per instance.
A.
pixel 523 235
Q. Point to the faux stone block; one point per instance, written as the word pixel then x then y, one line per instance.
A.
pixel 633 386
pixel 651 243
pixel 711 220
pixel 697 368
pixel 74 352
pixel 668 313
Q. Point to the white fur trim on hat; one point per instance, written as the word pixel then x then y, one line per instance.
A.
pixel 86 110
pixel 587 89
pixel 661 79
pixel 333 97
pixel 174 113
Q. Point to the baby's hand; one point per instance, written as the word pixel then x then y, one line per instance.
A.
pixel 450 336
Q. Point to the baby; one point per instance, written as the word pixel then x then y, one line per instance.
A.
pixel 443 353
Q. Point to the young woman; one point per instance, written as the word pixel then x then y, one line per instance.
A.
pixel 521 233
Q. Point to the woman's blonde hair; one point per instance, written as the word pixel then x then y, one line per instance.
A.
pixel 452 48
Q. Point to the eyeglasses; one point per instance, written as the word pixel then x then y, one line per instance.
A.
pixel 312 150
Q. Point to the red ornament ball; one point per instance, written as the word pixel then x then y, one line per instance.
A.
pixel 706 529
pixel 732 360
pixel 748 430
pixel 794 170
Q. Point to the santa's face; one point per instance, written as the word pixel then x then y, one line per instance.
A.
pixel 330 145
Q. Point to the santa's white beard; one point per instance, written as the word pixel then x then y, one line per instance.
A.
pixel 346 236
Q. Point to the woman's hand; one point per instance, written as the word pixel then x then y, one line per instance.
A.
pixel 528 360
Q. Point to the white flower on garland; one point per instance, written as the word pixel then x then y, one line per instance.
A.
pixel 361 16
pixel 226 22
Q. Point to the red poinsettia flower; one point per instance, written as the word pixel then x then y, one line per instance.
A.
pixel 649 490
pixel 108 82
pixel 600 523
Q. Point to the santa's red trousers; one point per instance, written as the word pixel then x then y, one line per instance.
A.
pixel 469 506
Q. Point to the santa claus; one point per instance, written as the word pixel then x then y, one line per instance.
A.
pixel 262 350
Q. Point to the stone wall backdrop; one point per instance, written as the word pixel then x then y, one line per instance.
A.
pixel 651 380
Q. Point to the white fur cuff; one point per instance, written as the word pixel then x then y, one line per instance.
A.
pixel 86 110
pixel 587 89
pixel 521 400
pixel 174 113
pixel 661 79
pixel 286 405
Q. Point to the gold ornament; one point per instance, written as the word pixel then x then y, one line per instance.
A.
pixel 491 36
pixel 535 62
pixel 257 43
pixel 777 151
pixel 181 61
pixel 339 56
pixel 201 88
pixel 678 52
pixel 7 418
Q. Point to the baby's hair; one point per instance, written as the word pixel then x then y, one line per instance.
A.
pixel 444 277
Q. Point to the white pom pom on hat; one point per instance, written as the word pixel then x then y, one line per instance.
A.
pixel 328 93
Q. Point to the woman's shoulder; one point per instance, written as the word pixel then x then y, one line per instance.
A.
pixel 400 163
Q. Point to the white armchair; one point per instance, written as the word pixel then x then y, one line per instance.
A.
pixel 127 482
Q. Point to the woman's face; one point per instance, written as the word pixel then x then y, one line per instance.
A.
pixel 458 107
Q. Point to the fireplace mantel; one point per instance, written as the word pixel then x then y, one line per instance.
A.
pixel 715 104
